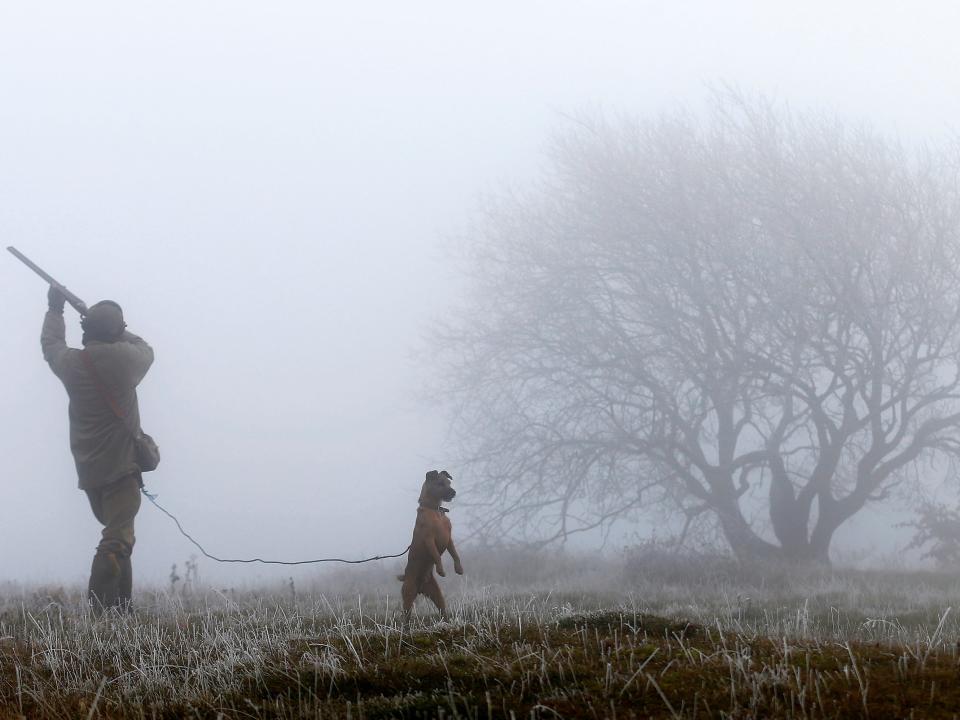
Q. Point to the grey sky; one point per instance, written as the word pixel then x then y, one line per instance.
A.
pixel 266 188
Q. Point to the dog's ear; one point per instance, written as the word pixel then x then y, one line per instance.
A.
pixel 433 476
pixel 445 474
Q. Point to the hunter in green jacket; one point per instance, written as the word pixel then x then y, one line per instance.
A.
pixel 103 444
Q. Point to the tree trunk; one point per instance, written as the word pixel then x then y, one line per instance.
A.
pixel 746 545
pixel 753 551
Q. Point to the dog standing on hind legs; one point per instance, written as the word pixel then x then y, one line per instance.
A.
pixel 431 538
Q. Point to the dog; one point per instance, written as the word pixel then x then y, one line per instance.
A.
pixel 431 538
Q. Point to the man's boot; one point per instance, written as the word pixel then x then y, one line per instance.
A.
pixel 125 584
pixel 104 588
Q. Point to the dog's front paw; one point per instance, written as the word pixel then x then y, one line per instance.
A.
pixel 458 568
pixel 440 571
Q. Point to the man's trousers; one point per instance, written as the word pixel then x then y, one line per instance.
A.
pixel 111 576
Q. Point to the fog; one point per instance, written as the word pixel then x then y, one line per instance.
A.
pixel 272 192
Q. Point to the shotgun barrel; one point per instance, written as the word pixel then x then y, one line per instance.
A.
pixel 79 305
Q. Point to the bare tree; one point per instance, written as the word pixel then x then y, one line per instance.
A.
pixel 750 315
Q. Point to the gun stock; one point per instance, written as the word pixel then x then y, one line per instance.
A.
pixel 79 305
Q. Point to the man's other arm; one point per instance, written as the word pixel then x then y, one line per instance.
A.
pixel 137 357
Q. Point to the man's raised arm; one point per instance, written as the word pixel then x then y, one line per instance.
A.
pixel 53 337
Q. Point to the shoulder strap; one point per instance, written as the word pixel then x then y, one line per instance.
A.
pixel 101 388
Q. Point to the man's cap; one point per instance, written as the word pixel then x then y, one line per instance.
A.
pixel 104 321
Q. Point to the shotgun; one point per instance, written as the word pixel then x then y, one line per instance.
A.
pixel 79 305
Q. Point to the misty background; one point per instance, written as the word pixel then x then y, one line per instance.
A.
pixel 273 193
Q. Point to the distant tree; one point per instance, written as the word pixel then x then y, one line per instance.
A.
pixel 937 531
pixel 749 315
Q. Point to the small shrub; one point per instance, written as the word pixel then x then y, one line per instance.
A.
pixel 937 527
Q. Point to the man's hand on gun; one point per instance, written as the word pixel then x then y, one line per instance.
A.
pixel 56 299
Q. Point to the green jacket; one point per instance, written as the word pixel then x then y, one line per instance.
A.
pixel 102 446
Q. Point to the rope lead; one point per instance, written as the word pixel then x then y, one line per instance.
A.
pixel 153 499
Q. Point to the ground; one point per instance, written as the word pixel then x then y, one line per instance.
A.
pixel 662 644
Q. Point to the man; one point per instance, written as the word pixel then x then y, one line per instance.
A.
pixel 102 443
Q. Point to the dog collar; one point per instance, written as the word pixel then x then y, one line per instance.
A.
pixel 440 509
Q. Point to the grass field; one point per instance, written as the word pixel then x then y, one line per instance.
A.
pixel 669 642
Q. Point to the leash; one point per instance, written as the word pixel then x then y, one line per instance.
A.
pixel 153 499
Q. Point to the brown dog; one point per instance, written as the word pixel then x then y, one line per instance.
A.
pixel 431 538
